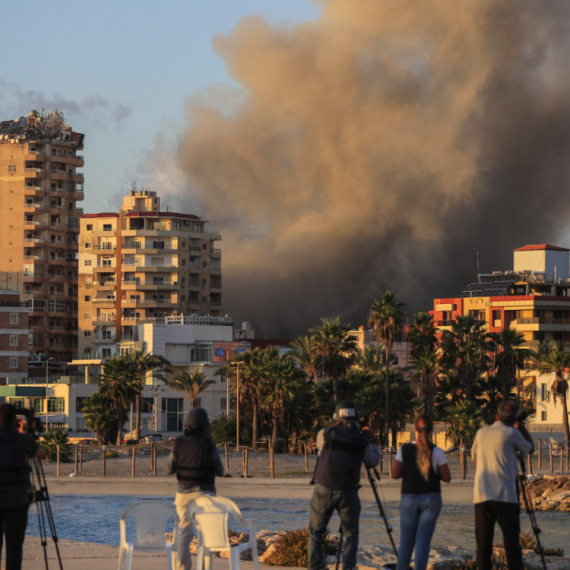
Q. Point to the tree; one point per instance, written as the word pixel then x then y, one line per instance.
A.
pixel 303 352
pixel 509 358
pixel 99 418
pixel 141 364
pixel 334 349
pixel 465 354
pixel 553 358
pixel 192 385
pixel 54 439
pixel 424 366
pixel 118 388
pixel 465 419
pixel 385 318
pixel 422 335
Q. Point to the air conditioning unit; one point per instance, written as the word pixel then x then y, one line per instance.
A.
pixel 187 222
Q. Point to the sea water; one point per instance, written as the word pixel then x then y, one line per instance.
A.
pixel 96 519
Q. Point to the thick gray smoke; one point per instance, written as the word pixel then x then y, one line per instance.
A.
pixel 381 146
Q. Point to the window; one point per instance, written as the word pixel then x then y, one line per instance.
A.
pixel 183 261
pixel 56 405
pixel 183 298
pixel 86 334
pixel 204 283
pixel 106 353
pixel 87 263
pixel 223 403
pixel 13 362
pixel 204 264
pixel 107 227
pixel 13 340
pixel 87 245
pixel 543 416
pixel 89 227
pixel 496 315
pixel 13 318
pixel 158 280
pixel 87 298
pixel 176 226
pixel 88 281
pixel 11 168
pixel 106 262
pixel 106 334
pixel 204 299
pixel 87 316
pixel 147 405
pixel 79 403
pixel 183 244
pixel 157 245
pixel 198 228
pixel 542 392
pixel 203 246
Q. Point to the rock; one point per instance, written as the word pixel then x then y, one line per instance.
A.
pixel 532 561
pixel 271 550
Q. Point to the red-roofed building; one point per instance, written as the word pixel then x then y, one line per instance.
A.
pixel 139 266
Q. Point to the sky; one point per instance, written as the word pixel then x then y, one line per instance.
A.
pixel 341 147
pixel 121 71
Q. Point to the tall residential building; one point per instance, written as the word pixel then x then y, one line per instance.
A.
pixel 140 265
pixel 39 224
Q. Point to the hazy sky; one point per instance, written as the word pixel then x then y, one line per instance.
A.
pixel 121 71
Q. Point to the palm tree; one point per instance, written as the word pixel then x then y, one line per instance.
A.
pixel 385 318
pixel 119 389
pixel 192 385
pixel 423 333
pixel 465 419
pixel 465 353
pixel 510 357
pixel 99 418
pixel 334 349
pixel 142 363
pixel 302 351
pixel 424 366
pixel 552 358
pixel 372 358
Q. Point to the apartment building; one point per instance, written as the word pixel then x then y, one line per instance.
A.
pixel 141 265
pixel 39 224
pixel 533 299
pixel 13 335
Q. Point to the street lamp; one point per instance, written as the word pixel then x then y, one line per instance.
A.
pixel 47 392
pixel 237 407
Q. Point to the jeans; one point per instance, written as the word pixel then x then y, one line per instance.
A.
pixel 185 527
pixel 13 522
pixel 323 504
pixel 418 516
pixel 508 517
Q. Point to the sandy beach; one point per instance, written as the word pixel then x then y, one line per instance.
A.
pixel 290 483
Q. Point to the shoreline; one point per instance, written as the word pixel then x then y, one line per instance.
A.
pixel 456 493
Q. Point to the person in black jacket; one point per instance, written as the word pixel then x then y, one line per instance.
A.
pixel 15 486
pixel 421 466
pixel 196 462
pixel 342 446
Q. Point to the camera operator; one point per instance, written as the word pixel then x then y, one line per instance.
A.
pixel 342 446
pixel 15 449
pixel 495 496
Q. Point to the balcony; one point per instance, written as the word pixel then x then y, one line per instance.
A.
pixel 142 303
pixel 104 320
pixel 163 286
pixel 100 340
pixel 132 321
pixel 104 303
pixel 104 248
pixel 33 258
pixel 35 156
pixel 35 207
pixel 33 172
pixel 157 268
pixel 109 284
pixel 34 190
pixel 216 252
pixel 33 225
pixel 104 269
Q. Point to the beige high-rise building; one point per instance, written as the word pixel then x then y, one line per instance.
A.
pixel 39 224
pixel 141 265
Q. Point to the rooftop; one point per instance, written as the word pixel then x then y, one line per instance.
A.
pixel 542 246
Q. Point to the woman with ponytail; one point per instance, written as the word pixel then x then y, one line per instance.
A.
pixel 421 465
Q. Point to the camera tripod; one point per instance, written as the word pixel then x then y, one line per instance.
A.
pixel 372 473
pixel 43 507
pixel 527 501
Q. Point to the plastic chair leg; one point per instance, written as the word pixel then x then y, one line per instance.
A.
pixel 169 564
pixel 234 558
pixel 129 557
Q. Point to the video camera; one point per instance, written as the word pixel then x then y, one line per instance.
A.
pixel 27 422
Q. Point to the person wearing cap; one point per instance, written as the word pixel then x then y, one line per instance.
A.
pixel 342 446
pixel 196 461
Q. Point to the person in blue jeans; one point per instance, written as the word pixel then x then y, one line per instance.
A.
pixel 421 466
pixel 343 446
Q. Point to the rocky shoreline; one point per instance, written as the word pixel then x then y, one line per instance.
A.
pixel 550 492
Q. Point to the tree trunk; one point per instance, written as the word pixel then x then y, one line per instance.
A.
pixel 255 427
pixel 565 414
pixel 138 409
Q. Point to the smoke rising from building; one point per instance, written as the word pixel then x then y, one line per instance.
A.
pixel 381 146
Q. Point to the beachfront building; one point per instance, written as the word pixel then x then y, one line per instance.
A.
pixel 141 265
pixel 533 299
pixel 39 224
pixel 14 331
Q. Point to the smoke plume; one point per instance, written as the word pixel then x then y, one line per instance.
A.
pixel 381 146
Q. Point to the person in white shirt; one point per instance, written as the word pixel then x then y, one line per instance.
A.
pixel 495 496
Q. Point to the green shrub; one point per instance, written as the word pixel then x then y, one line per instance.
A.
pixel 50 442
pixel 111 454
pixel 224 429
pixel 292 548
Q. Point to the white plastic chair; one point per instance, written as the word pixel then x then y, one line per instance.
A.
pixel 211 517
pixel 150 518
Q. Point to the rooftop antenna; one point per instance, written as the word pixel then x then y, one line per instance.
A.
pixel 478 273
